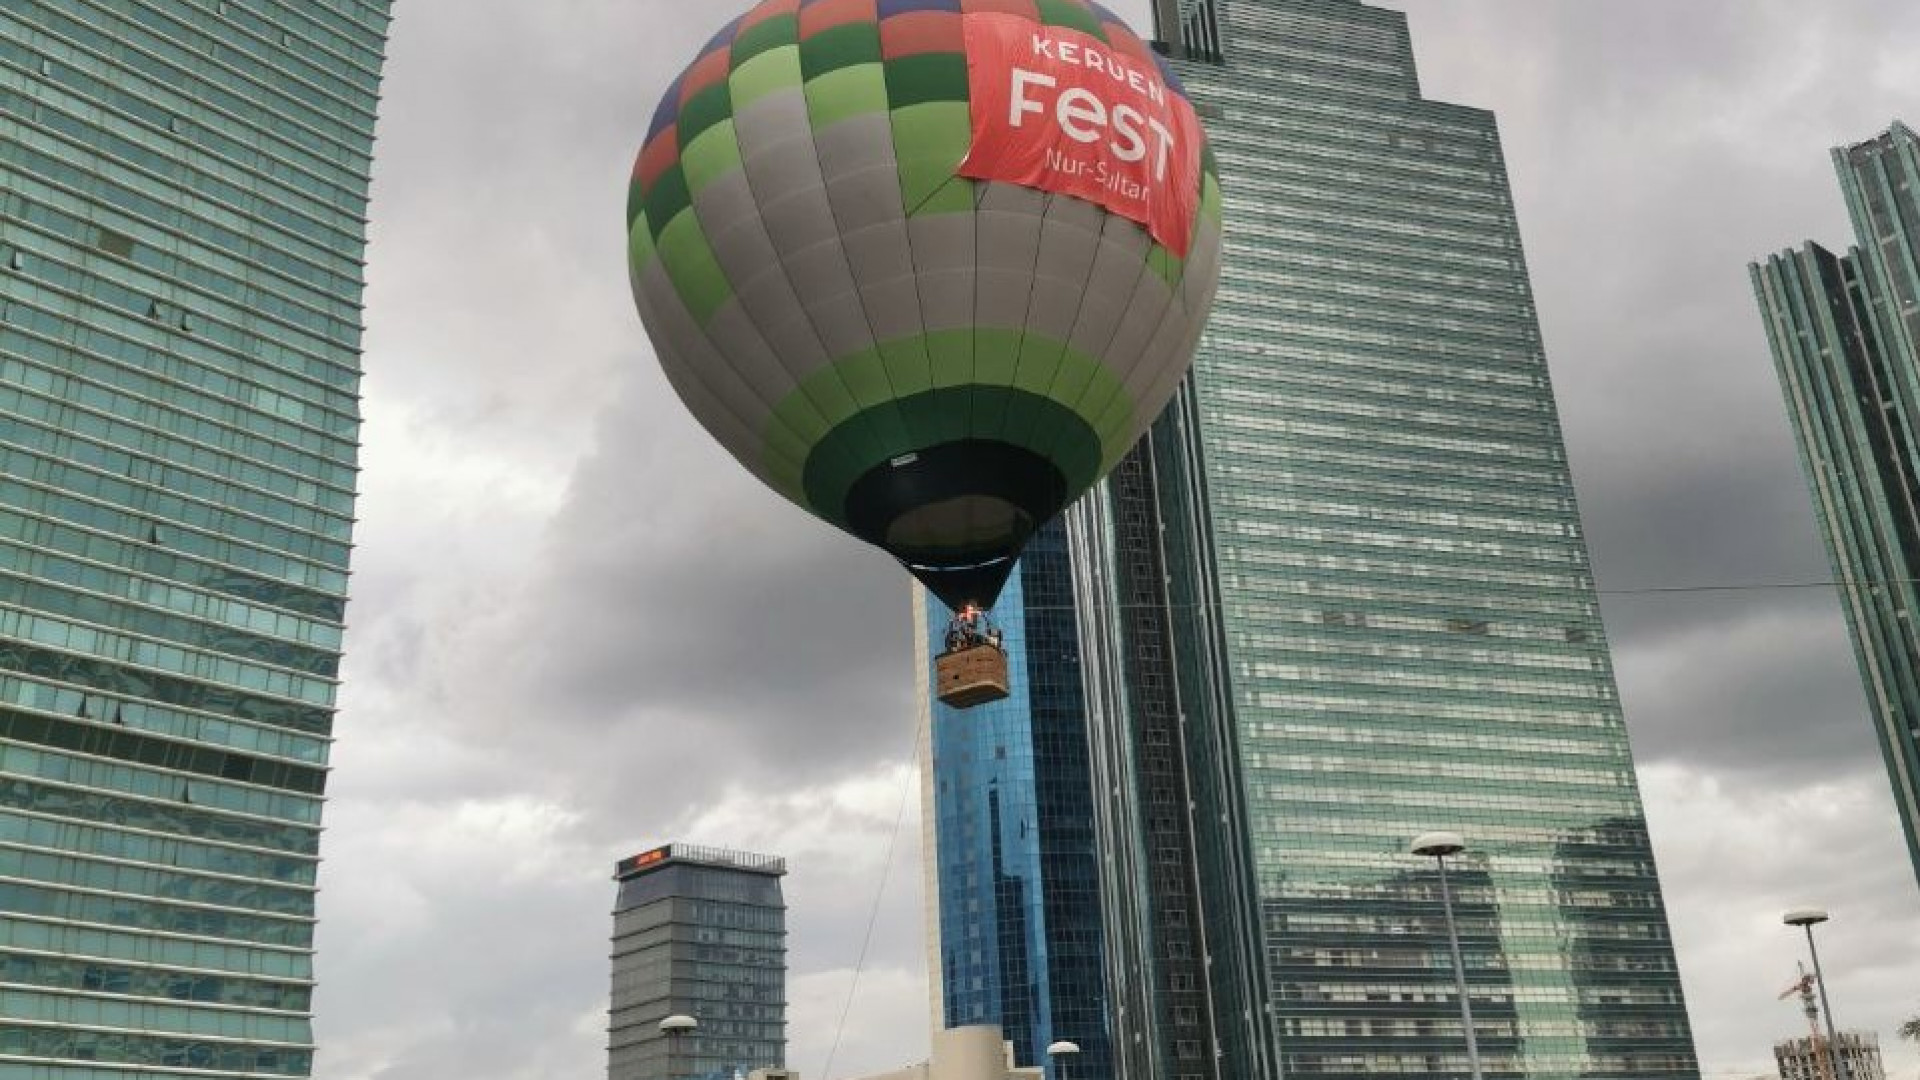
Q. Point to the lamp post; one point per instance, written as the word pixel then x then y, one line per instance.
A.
pixel 1061 1052
pixel 1806 919
pixel 676 1028
pixel 1437 846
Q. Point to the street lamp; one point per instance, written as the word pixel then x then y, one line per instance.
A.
pixel 1060 1052
pixel 676 1028
pixel 1806 919
pixel 1437 846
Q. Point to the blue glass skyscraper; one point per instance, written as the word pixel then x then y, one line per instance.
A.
pixel 183 191
pixel 1014 869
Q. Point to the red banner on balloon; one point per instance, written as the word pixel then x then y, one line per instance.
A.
pixel 1061 111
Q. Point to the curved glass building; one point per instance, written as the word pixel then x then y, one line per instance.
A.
pixel 183 188
pixel 1013 869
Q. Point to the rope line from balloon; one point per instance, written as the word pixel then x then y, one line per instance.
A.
pixel 880 893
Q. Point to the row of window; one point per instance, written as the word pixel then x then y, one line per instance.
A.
pixel 120 648
pixel 55 407
pixel 94 976
pixel 239 959
pixel 60 600
pixel 90 1012
pixel 104 738
pixel 55 903
pixel 354 31
pixel 82 258
pixel 271 636
pixel 173 853
pixel 64 170
pixel 317 46
pixel 215 81
pixel 149 512
pixel 124 363
pixel 155 1050
pixel 216 195
pixel 141 553
pixel 58 433
pixel 193 791
pixel 149 716
pixel 165 815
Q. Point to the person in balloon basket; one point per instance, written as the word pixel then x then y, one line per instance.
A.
pixel 969 627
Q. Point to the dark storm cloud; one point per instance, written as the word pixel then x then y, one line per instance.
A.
pixel 1656 149
pixel 579 628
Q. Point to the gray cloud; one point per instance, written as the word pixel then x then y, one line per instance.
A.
pixel 579 628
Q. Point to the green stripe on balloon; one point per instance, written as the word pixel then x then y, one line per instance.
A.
pixel 840 47
pixel 872 438
pixel 929 142
pixel 925 77
pixel 704 110
pixel 711 156
pixel 668 198
pixel 690 263
pixel 640 249
pixel 1072 15
pixel 1166 264
pixel 988 358
pixel 848 92
pixel 768 73
pixel 770 34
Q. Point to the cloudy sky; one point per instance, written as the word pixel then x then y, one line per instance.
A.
pixel 579 629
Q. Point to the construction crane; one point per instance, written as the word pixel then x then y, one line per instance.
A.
pixel 1804 987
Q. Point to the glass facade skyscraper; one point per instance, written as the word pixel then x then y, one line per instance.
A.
pixel 1845 333
pixel 1014 869
pixel 183 187
pixel 1340 597
pixel 698 932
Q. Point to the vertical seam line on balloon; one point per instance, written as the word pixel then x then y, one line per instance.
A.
pixel 1107 219
pixel 780 261
pixel 893 395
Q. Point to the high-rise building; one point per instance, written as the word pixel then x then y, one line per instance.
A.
pixel 1340 597
pixel 1012 867
pixel 1806 1059
pixel 183 190
pixel 701 933
pixel 1845 332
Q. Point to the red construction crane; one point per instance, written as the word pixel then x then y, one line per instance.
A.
pixel 1804 987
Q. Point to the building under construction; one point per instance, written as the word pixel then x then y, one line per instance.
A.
pixel 1806 1058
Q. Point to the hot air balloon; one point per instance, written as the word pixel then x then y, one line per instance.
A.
pixel 927 268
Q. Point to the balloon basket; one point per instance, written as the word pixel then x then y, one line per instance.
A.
pixel 971 676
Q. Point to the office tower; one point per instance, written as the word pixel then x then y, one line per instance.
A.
pixel 1012 869
pixel 183 189
pixel 1845 332
pixel 1340 598
pixel 1806 1058
pixel 702 933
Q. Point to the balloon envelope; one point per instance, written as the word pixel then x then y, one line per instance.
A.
pixel 928 268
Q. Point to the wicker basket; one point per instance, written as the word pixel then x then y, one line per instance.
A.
pixel 971 676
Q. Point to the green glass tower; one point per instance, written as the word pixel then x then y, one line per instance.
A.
pixel 1845 333
pixel 1340 597
pixel 183 187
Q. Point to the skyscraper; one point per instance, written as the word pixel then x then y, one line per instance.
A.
pixel 1013 869
pixel 1340 597
pixel 1845 332
pixel 183 190
pixel 698 932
